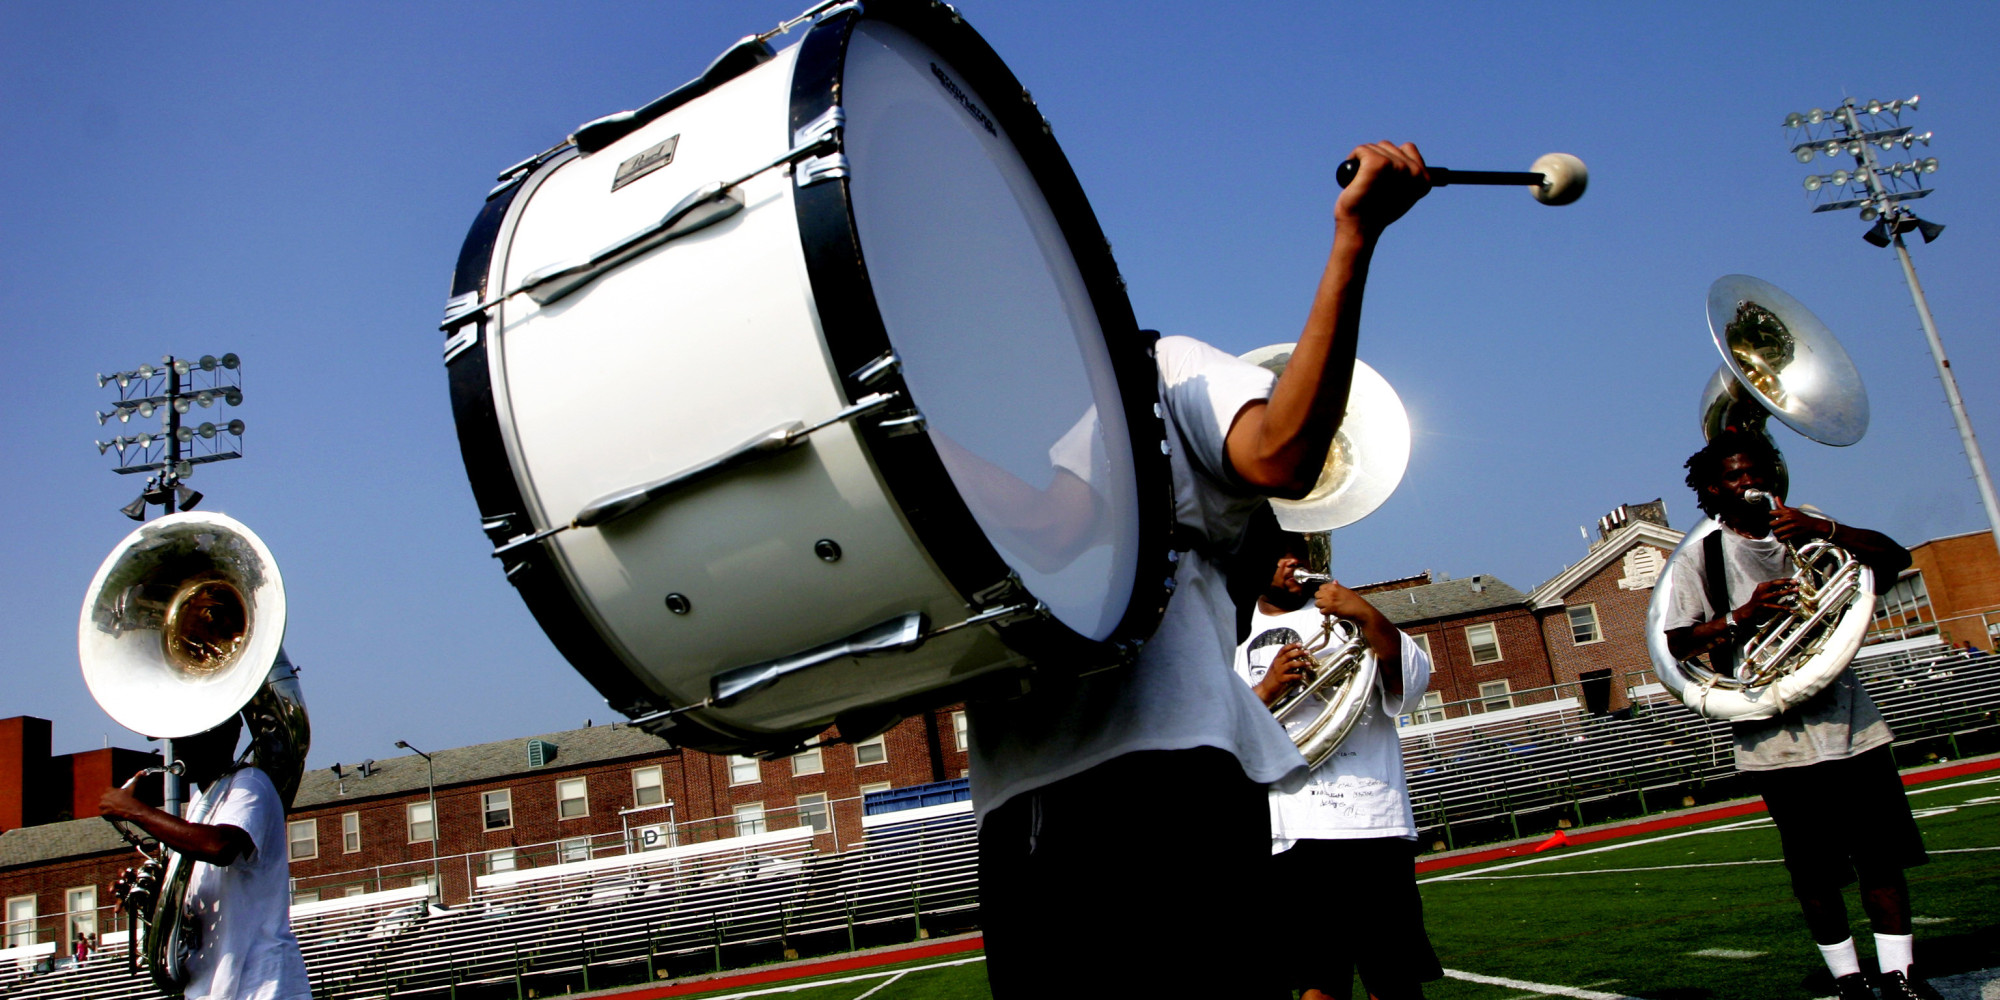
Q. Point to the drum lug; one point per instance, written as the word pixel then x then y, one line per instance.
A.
pixel 832 164
pixel 877 370
pixel 1007 591
pixel 897 425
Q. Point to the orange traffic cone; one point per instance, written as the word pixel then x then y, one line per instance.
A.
pixel 1559 839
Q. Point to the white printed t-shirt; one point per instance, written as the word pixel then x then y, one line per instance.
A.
pixel 1180 693
pixel 242 912
pixel 1360 791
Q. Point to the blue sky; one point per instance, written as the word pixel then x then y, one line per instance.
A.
pixel 291 182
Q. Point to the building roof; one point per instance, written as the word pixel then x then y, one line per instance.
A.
pixel 1606 551
pixel 469 765
pixel 69 838
pixel 1446 599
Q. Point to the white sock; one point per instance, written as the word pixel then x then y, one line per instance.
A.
pixel 1892 952
pixel 1840 958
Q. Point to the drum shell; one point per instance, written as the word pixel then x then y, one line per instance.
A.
pixel 728 317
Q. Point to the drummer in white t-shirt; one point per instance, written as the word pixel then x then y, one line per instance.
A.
pixel 1121 819
pixel 1353 815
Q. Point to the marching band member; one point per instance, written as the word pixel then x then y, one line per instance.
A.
pixel 1823 766
pixel 239 891
pixel 1353 815
pixel 1123 820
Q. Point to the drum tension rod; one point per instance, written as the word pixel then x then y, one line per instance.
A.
pixel 625 501
pixel 704 207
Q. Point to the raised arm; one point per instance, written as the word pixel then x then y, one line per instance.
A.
pixel 217 845
pixel 1279 447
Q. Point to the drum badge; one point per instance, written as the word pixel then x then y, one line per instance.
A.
pixel 649 159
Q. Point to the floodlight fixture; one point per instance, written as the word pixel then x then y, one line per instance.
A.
pixel 170 389
pixel 1882 190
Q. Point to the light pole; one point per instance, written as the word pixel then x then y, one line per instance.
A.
pixel 430 783
pixel 1858 129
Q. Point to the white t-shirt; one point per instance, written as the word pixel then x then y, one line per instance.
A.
pixel 1179 694
pixel 1839 722
pixel 241 914
pixel 1360 791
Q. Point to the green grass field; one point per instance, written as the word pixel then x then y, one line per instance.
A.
pixel 1630 918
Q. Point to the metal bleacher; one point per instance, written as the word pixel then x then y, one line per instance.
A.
pixel 1554 755
pixel 625 918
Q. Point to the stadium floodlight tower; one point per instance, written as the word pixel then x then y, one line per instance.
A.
pixel 173 390
pixel 1858 129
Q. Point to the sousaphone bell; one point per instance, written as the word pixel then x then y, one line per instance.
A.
pixel 1363 466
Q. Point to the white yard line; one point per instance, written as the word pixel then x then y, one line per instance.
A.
pixel 860 977
pixel 1735 953
pixel 1614 871
pixel 1987 780
pixel 1536 989
pixel 884 984
pixel 1740 825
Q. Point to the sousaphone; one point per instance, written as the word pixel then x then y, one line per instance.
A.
pixel 182 627
pixel 1363 467
pixel 1778 360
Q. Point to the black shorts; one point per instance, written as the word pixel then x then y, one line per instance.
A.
pixel 1365 915
pixel 1840 817
pixel 1103 885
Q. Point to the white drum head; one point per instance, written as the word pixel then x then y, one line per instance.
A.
pixel 1000 345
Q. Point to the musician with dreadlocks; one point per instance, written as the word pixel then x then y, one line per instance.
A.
pixel 1823 765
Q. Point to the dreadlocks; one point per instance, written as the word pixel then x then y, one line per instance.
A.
pixel 1705 466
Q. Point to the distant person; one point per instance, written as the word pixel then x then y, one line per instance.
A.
pixel 1085 887
pixel 1353 816
pixel 239 890
pixel 1823 765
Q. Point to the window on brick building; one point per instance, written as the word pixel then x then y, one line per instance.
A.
pixel 1583 624
pixel 743 771
pixel 808 761
pixel 876 786
pixel 305 896
pixel 422 879
pixel 350 833
pixel 572 799
pixel 812 812
pixel 20 921
pixel 354 890
pixel 749 819
pixel 1906 602
pixel 421 821
pixel 573 849
pixel 1494 696
pixel 958 737
pixel 873 751
pixel 498 808
pixel 304 837
pixel 649 787
pixel 1485 642
pixel 82 904
pixel 501 860
pixel 1423 642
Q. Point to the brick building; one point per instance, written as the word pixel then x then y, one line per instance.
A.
pixel 500 806
pixel 1483 639
pixel 1952 587
pixel 39 787
pixel 1593 613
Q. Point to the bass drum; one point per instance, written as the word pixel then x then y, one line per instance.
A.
pixel 810 393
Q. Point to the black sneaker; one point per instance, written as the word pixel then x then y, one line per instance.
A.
pixel 1897 986
pixel 1854 986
